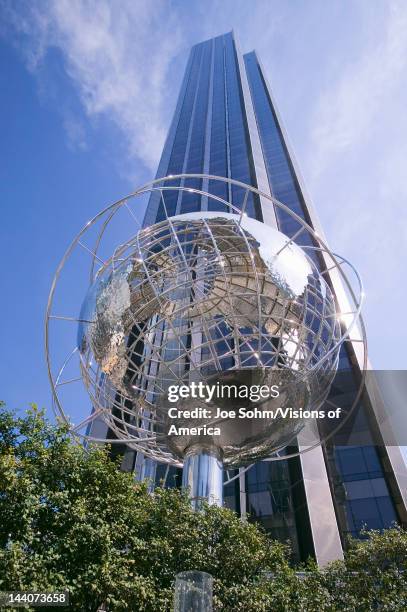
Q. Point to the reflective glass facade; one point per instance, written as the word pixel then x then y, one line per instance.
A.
pixel 210 131
pixel 358 479
pixel 211 134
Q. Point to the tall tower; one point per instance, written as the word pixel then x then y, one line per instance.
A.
pixel 226 124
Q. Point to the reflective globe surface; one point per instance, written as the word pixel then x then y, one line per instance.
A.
pixel 209 296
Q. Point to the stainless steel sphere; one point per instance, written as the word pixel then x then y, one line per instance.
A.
pixel 210 296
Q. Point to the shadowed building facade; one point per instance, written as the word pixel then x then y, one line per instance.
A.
pixel 226 124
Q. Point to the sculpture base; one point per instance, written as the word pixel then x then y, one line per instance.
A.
pixel 203 476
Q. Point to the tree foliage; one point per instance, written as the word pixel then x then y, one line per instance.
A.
pixel 70 520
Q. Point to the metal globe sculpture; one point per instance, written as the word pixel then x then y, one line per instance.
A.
pixel 212 297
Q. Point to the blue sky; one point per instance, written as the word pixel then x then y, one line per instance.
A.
pixel 88 90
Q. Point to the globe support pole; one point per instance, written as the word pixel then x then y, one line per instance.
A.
pixel 203 476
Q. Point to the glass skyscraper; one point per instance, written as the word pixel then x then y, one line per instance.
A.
pixel 226 124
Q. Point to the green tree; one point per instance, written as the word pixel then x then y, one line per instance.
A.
pixel 69 519
pixel 373 575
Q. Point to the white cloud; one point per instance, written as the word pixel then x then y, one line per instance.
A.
pixel 355 98
pixel 75 132
pixel 117 59
pixel 356 156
